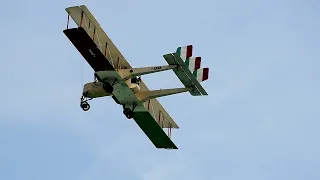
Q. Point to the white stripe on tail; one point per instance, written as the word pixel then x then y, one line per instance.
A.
pixel 201 74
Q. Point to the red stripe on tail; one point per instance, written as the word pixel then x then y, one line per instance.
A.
pixel 189 51
pixel 205 74
pixel 197 63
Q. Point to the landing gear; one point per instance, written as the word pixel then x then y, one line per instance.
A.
pixel 84 104
pixel 128 112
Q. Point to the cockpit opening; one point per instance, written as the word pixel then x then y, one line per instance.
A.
pixel 135 80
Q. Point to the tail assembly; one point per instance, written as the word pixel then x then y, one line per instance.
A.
pixel 193 63
pixel 190 74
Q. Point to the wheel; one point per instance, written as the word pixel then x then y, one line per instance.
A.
pixel 85 106
pixel 108 88
pixel 128 113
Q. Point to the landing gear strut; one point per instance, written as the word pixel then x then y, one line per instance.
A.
pixel 84 104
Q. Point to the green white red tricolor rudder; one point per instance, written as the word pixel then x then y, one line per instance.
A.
pixel 193 63
pixel 185 52
pixel 201 74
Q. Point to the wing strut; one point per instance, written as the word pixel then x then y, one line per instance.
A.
pixel 81 18
pixel 68 21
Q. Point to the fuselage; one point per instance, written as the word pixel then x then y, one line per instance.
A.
pixel 95 89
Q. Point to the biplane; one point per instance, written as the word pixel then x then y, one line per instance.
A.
pixel 113 76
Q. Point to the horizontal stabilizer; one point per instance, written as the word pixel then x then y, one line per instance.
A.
pixel 189 71
pixel 185 75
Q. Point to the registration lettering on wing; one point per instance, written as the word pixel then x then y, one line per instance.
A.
pixel 156 68
pixel 92 54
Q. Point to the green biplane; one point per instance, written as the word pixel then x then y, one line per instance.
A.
pixel 116 78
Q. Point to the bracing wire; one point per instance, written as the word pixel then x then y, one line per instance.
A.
pixel 81 73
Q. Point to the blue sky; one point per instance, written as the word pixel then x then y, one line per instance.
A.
pixel 260 120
